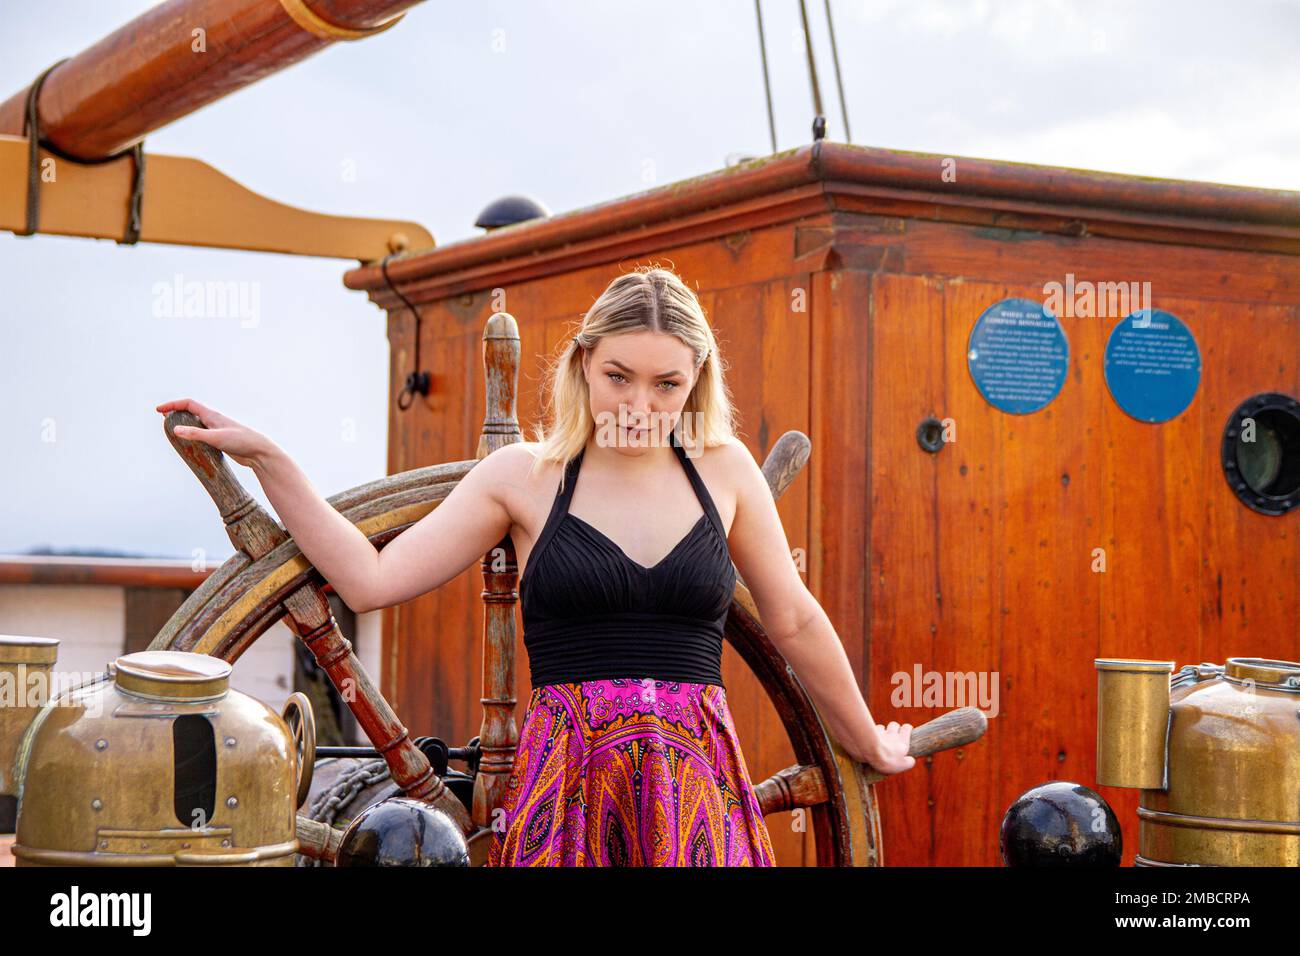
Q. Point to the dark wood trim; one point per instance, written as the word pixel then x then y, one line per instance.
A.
pixel 146 610
pixel 105 572
pixel 826 177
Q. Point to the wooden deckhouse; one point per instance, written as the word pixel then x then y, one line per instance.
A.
pixel 844 283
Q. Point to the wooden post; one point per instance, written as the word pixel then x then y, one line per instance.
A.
pixel 498 736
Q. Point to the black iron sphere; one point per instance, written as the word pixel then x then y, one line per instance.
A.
pixel 1061 824
pixel 402 832
pixel 509 210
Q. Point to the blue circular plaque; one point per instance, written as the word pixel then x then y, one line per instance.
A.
pixel 1153 365
pixel 1018 356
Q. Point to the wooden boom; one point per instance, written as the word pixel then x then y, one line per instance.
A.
pixel 144 75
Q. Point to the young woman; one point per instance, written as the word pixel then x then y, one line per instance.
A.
pixel 630 516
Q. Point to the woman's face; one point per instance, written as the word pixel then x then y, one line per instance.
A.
pixel 639 382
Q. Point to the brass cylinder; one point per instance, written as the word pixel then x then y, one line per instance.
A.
pixel 1132 722
pixel 166 676
pixel 25 666
pixel 1233 797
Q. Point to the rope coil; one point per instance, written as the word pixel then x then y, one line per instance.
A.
pixel 35 143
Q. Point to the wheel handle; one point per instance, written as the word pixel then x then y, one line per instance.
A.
pixel 298 715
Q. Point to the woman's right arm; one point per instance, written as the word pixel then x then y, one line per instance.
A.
pixel 438 547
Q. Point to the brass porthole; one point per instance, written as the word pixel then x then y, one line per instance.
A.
pixel 1261 453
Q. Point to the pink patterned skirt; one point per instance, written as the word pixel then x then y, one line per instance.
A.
pixel 634 772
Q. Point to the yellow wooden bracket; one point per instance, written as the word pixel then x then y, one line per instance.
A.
pixel 186 203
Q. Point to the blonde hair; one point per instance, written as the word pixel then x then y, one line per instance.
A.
pixel 653 299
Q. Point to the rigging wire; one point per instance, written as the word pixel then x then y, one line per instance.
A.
pixel 767 82
pixel 839 79
pixel 819 117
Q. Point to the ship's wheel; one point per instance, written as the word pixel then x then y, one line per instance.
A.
pixel 269 580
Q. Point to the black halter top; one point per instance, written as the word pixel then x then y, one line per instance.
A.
pixel 592 613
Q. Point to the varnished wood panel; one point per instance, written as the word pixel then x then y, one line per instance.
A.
pixel 900 557
pixel 983 555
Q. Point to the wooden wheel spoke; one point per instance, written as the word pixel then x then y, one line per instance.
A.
pixel 305 610
pixel 790 789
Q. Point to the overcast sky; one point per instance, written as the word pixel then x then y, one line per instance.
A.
pixel 574 103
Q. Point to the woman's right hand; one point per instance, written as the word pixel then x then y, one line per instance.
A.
pixel 892 744
pixel 240 442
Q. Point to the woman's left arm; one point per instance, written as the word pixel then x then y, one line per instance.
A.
pixel 790 615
